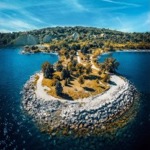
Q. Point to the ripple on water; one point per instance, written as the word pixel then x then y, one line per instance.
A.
pixel 134 67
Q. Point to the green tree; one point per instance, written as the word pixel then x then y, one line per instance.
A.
pixel 59 67
pixel 48 70
pixel 58 88
pixel 84 49
pixel 111 64
pixel 65 74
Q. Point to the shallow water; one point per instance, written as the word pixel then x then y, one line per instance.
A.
pixel 18 131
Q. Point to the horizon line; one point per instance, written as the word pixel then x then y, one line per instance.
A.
pixel 73 26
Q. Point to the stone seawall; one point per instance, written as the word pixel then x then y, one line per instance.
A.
pixel 89 113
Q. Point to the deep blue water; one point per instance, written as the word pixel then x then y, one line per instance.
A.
pixel 17 130
pixel 134 66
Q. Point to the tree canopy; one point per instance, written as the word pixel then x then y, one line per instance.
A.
pixel 58 88
pixel 48 70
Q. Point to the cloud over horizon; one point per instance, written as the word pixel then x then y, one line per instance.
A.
pixel 125 15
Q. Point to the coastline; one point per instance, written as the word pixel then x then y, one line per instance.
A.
pixel 124 50
pixel 56 53
pixel 87 114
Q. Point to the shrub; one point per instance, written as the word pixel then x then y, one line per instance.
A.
pixel 81 80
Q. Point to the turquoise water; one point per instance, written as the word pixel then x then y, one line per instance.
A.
pixel 18 131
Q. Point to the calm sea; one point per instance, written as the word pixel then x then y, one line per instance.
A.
pixel 18 131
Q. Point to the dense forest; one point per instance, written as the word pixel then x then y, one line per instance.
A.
pixel 90 36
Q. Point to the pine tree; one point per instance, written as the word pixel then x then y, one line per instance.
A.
pixel 48 70
pixel 59 67
pixel 65 74
pixel 58 88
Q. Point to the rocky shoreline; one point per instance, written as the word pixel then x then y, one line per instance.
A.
pixel 87 114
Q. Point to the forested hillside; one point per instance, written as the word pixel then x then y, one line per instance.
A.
pixel 88 35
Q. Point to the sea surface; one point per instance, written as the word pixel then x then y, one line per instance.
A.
pixel 19 132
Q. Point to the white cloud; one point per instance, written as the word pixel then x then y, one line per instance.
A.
pixel 76 5
pixel 4 30
pixel 15 25
pixel 147 22
pixel 21 24
pixel 20 10
pixel 125 29
pixel 6 6
pixel 30 16
pixel 19 20
pixel 112 8
pixel 122 3
pixel 124 25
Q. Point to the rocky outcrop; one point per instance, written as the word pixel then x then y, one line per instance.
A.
pixel 89 113
pixel 75 36
pixel 47 38
pixel 25 39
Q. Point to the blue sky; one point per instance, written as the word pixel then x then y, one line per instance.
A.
pixel 123 15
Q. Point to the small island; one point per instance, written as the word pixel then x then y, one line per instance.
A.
pixel 77 94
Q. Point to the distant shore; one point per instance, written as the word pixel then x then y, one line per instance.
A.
pixel 42 50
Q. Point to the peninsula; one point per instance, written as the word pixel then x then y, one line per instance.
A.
pixel 77 94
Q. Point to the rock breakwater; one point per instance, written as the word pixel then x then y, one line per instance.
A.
pixel 87 114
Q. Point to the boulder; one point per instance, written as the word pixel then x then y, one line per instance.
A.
pixel 47 38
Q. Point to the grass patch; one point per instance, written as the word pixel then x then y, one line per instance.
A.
pixel 75 90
